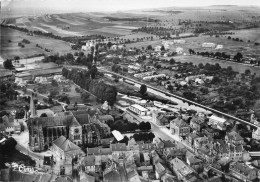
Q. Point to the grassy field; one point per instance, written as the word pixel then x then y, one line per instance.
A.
pixel 224 64
pixel 77 24
pixel 248 34
pixel 11 49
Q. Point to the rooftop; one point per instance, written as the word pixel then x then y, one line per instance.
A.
pixel 141 108
pixel 118 147
pixel 222 120
pixel 65 144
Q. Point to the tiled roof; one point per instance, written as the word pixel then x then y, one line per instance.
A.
pixel 234 136
pixel 65 144
pixel 132 142
pixel 197 119
pixel 86 178
pixel 89 160
pixel 147 146
pixel 159 168
pixel 51 121
pixel 105 151
pixel 118 147
pixel 93 151
pixel 241 168
pixel 83 118
pixel 2 127
pixel 168 144
pixel 180 123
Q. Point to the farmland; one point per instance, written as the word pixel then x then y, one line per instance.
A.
pixel 10 39
pixel 78 24
pixel 196 60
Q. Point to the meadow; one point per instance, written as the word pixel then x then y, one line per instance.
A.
pixel 10 39
pixel 77 24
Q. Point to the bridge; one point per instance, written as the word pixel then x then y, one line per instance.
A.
pixel 181 98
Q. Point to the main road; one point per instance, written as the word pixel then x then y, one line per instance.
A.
pixel 167 95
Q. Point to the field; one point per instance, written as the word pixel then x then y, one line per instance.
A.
pixel 248 34
pixel 11 49
pixel 224 64
pixel 229 46
pixel 77 24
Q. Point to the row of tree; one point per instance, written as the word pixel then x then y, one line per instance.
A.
pixel 86 80
pixel 125 126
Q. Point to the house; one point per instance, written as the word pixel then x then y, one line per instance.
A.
pixel 138 109
pixel 157 48
pixel 133 176
pixel 86 178
pixel 162 120
pixel 146 161
pixel 180 153
pixel 196 123
pixel 234 137
pixel 217 122
pixel 243 171
pixel 191 138
pixel 179 50
pixel 88 46
pixel 154 77
pixel 208 45
pixel 182 171
pixel 219 47
pixel 179 127
pixel 89 163
pixel 159 170
pixel 200 141
pixel 155 157
pixel 147 147
pixel 159 145
pixel 192 160
pixel 206 152
pixel 114 173
pixel 64 148
pixel 179 41
pixel 118 148
pixel 168 145
pixel 229 150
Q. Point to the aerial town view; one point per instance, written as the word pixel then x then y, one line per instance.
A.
pixel 130 91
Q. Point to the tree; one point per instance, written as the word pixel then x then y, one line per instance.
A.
pixel 172 61
pixel 149 47
pixel 8 64
pixel 93 72
pixel 44 115
pixel 238 56
pixel 143 89
pixel 247 72
pixel 147 126
pixel 109 44
pixel 54 83
pixel 162 48
pixel 142 126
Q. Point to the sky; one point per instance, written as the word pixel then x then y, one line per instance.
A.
pixel 114 5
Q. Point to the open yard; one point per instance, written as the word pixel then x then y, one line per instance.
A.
pixel 10 39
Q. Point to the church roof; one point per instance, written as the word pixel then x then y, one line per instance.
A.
pixel 51 121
